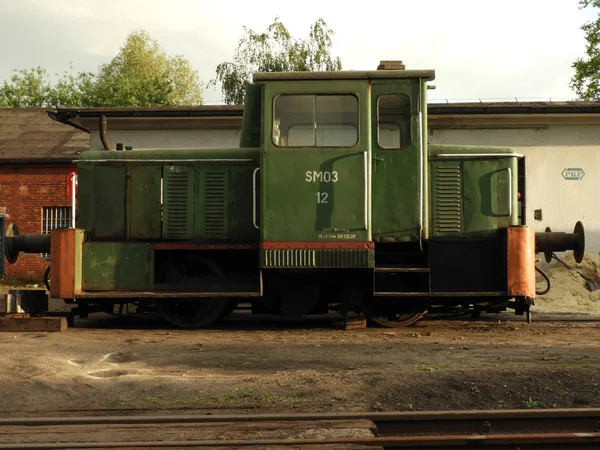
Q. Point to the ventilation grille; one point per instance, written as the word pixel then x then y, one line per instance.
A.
pixel 316 258
pixel 447 199
pixel 215 203
pixel 176 204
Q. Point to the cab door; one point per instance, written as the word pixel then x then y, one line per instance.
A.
pixel 315 174
pixel 398 164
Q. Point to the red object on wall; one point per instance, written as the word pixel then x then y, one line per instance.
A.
pixel 25 191
pixel 72 173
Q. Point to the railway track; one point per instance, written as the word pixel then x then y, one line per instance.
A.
pixel 510 429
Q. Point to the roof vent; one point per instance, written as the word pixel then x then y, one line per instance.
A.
pixel 391 65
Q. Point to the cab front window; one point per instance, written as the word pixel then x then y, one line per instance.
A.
pixel 301 120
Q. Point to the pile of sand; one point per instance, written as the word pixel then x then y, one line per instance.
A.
pixel 574 289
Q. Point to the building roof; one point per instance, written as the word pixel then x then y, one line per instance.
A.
pixel 66 114
pixel 29 135
pixel 571 107
pixel 344 75
pixel 213 111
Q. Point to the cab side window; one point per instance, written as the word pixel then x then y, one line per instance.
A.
pixel 393 121
pixel 315 120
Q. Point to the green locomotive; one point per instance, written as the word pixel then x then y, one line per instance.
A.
pixel 333 202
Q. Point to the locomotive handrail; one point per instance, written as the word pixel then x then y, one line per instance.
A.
pixel 509 191
pixel 421 178
pixel 254 202
pixel 477 155
pixel 79 161
pixel 366 169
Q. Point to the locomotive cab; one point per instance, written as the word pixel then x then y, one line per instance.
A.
pixel 343 166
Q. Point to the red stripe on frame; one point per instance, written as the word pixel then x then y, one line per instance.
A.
pixel 191 246
pixel 317 245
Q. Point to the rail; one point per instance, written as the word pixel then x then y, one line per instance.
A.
pixel 525 429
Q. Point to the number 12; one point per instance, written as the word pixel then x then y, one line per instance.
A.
pixel 322 197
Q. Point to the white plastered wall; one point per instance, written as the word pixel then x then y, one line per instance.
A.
pixel 164 138
pixel 549 151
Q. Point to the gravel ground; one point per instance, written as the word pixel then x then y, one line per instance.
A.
pixel 131 363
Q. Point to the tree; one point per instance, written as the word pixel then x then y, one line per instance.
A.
pixel 31 88
pixel 141 74
pixel 27 88
pixel 586 81
pixel 275 51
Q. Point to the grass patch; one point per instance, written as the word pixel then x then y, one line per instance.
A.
pixel 530 403
pixel 14 282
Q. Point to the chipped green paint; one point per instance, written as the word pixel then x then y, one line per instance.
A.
pixel 117 266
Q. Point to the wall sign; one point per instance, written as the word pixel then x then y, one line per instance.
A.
pixel 573 173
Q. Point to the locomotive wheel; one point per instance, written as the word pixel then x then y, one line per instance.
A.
pixel 192 312
pixel 394 312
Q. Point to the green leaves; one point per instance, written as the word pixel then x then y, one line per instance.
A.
pixel 26 88
pixel 274 51
pixel 586 81
pixel 141 74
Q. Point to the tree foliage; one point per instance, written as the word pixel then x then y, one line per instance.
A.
pixel 141 74
pixel 275 51
pixel 586 80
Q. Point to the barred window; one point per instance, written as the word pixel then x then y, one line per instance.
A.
pixel 55 217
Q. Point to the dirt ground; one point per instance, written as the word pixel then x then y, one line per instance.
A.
pixel 128 364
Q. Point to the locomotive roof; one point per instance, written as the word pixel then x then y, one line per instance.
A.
pixel 427 75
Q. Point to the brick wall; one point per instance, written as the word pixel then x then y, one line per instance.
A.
pixel 24 192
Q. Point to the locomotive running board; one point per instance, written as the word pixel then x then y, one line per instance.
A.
pixel 440 294
pixel 388 281
pixel 138 294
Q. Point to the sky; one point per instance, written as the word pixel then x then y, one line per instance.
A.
pixel 479 49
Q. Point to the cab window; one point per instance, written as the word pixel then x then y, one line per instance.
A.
pixel 393 121
pixel 315 120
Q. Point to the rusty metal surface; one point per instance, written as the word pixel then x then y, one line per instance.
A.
pixel 550 418
pixel 62 253
pixel 520 248
pixel 520 442
pixel 525 429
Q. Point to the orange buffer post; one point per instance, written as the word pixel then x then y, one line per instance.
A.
pixel 65 262
pixel 520 247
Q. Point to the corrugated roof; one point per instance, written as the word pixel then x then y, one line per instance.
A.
pixel 28 134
